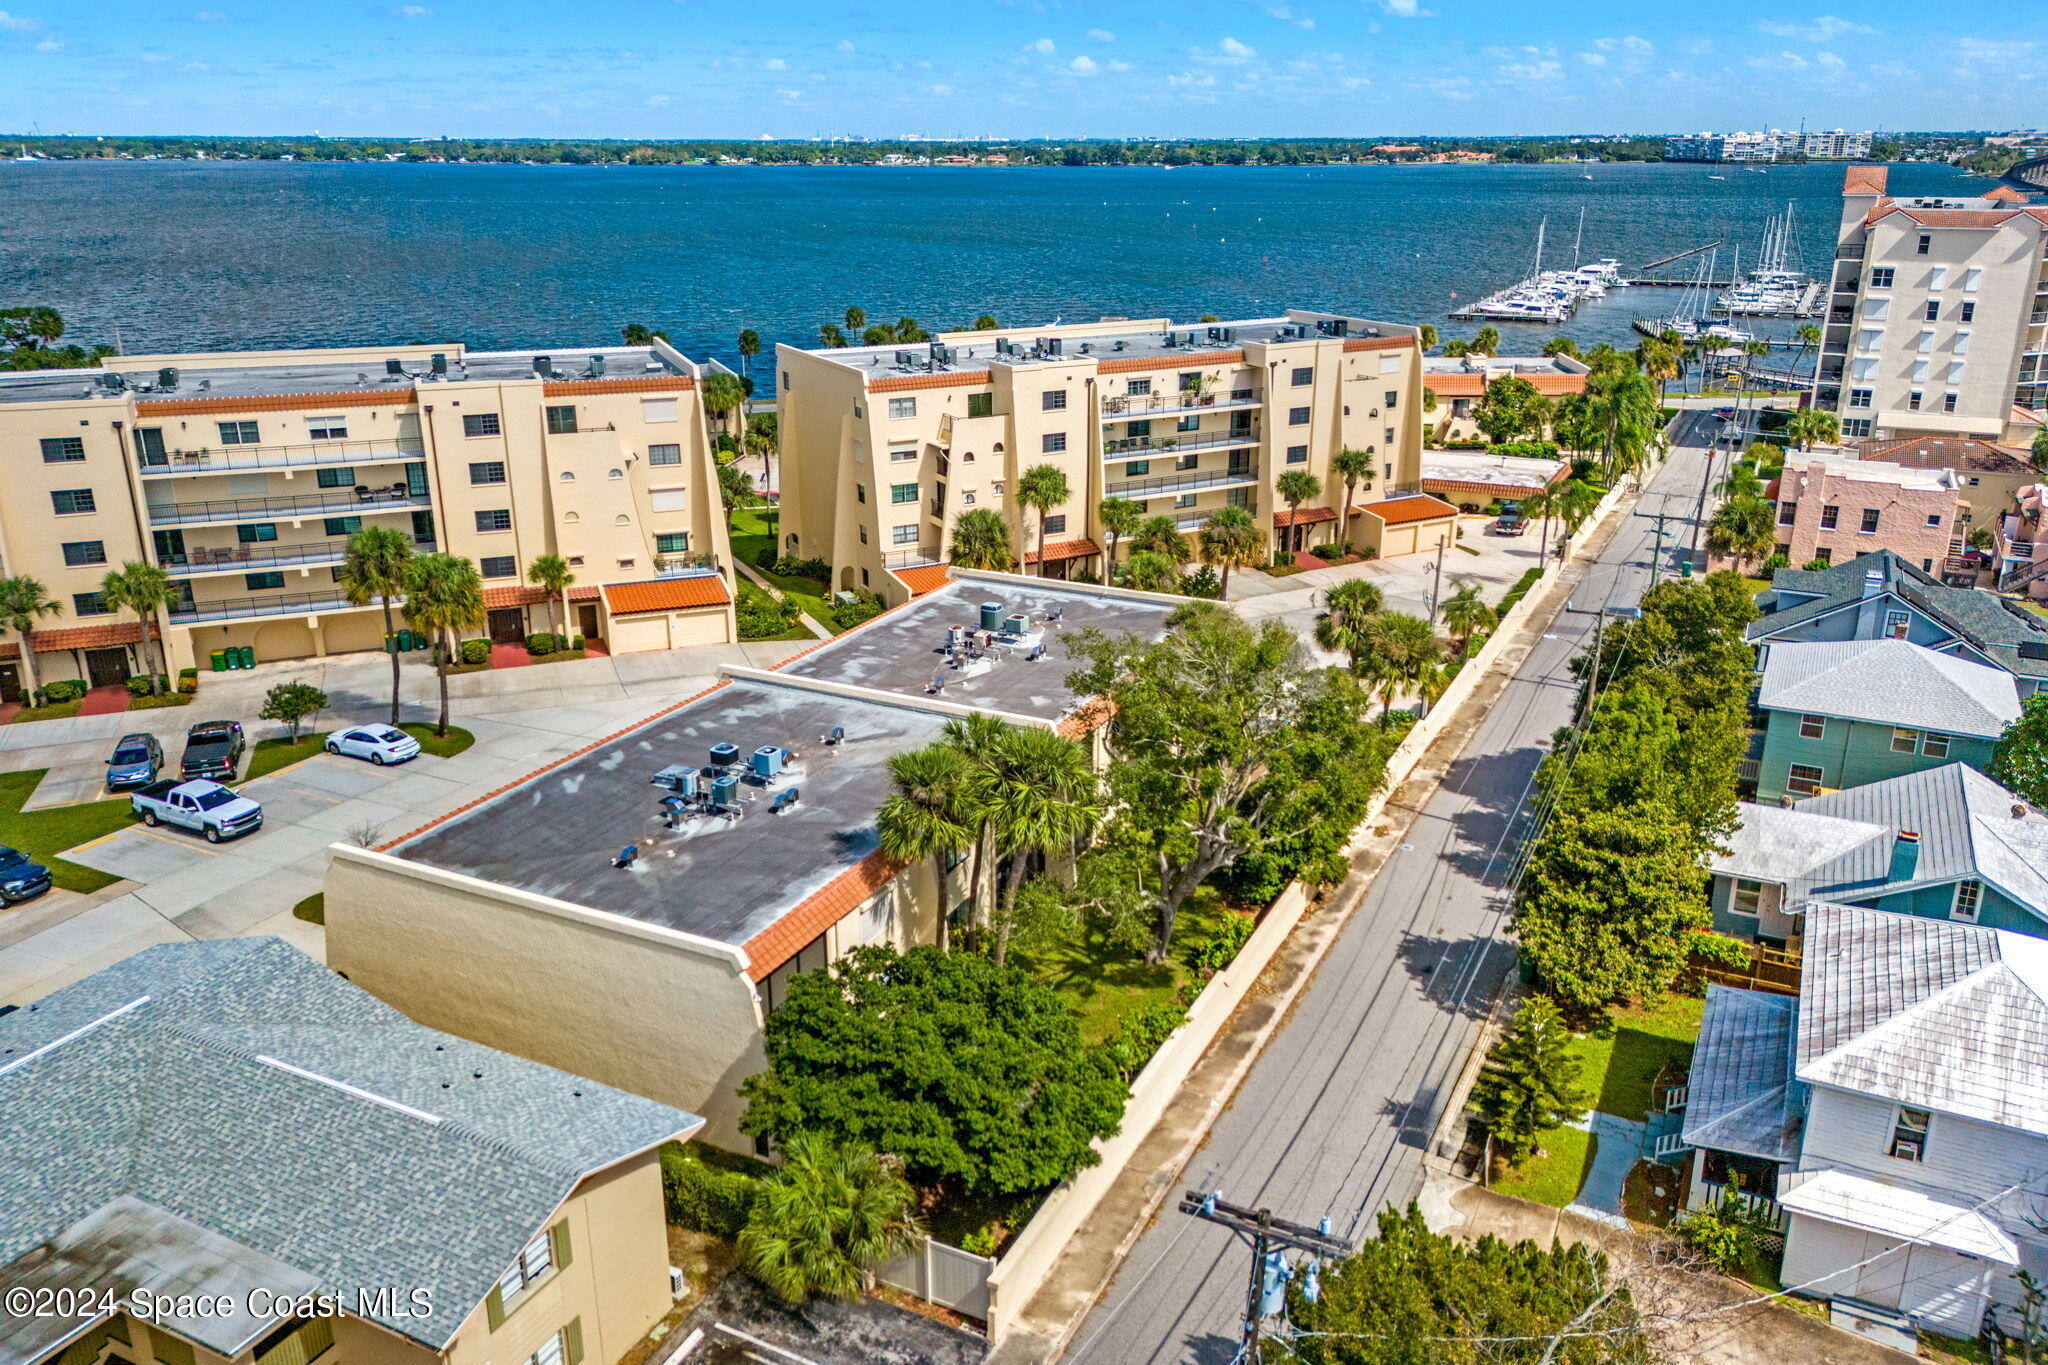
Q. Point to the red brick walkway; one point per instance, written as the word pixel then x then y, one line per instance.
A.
pixel 104 701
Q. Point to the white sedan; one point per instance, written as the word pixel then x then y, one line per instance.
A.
pixel 379 743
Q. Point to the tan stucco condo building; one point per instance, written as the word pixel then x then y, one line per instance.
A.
pixel 524 922
pixel 1938 316
pixel 883 447
pixel 243 475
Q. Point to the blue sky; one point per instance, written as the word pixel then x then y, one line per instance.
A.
pixel 678 68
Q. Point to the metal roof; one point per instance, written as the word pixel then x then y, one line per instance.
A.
pixel 1740 1093
pixel 1896 1211
pixel 1888 682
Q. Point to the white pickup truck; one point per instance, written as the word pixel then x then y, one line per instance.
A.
pixel 208 807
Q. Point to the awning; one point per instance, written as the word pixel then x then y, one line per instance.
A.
pixel 1893 1211
pixel 1058 550
pixel 1304 516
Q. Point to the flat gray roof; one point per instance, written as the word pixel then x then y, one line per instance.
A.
pixel 326 376
pixel 905 650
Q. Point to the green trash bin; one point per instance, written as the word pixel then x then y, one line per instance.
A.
pixel 248 656
pixel 220 661
pixel 414 640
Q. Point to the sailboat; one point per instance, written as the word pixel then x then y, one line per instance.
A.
pixel 1776 287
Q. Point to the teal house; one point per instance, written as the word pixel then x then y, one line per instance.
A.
pixel 1843 713
pixel 1947 843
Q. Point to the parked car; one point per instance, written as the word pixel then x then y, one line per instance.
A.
pixel 380 744
pixel 20 879
pixel 213 810
pixel 136 762
pixel 1509 522
pixel 213 749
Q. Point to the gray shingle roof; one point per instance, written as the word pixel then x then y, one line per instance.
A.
pixel 1889 682
pixel 1741 1095
pixel 240 1086
pixel 1938 1015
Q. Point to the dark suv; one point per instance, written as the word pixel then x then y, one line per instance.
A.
pixel 213 749
pixel 136 762
pixel 20 879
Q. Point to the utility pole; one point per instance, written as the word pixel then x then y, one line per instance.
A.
pixel 1657 555
pixel 1269 1236
pixel 1436 591
pixel 1699 514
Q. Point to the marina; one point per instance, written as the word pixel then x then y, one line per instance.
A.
pixel 1550 296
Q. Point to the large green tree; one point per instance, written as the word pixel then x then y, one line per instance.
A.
pixel 973 1072
pixel 1530 1084
pixel 2020 762
pixel 821 1224
pixel 981 540
pixel 1507 409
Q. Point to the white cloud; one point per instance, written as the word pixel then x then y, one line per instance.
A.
pixel 843 45
pixel 1593 58
pixel 1813 31
pixel 1783 61
pixel 209 16
pixel 17 23
pixel 775 64
pixel 50 45
pixel 1402 9
pixel 1044 46
pixel 942 91
pixel 411 12
pixel 1699 47
pixel 1236 51
pixel 1083 65
pixel 1532 71
pixel 1196 79
pixel 1992 50
pixel 656 101
pixel 1286 15
pixel 1631 44
pixel 1101 35
pixel 1829 60
pixel 1117 66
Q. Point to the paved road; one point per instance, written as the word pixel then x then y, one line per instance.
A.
pixel 1333 1117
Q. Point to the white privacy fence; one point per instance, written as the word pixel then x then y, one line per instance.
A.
pixel 944 1275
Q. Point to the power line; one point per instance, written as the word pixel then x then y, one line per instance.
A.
pixel 1266 1289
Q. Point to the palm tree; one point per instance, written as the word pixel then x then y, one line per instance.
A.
pixel 1340 626
pixel 550 573
pixel 1742 529
pixel 1120 517
pixel 724 395
pixel 1563 346
pixel 1660 362
pixel 1486 341
pixel 1397 650
pixel 981 540
pixel 1808 337
pixel 144 589
pixel 1161 535
pixel 856 319
pixel 633 334
pixel 375 566
pixel 976 738
pixel 1151 571
pixel 444 595
pixel 823 1222
pixel 1741 481
pixel 927 816
pixel 762 444
pixel 1576 500
pixel 22 600
pixel 1466 614
pixel 749 347
pixel 1042 797
pixel 830 337
pixel 1813 426
pixel 1230 539
pixel 1426 336
pixel 1625 407
pixel 1042 488
pixel 1357 467
pixel 1296 487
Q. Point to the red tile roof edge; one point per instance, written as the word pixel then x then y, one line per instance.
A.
pixel 640 383
pixel 1059 551
pixel 277 402
pixel 1436 511
pixel 1170 362
pixel 817 912
pixel 898 383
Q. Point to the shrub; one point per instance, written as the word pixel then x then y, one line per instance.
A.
pixel 1140 1034
pixel 1202 582
pixel 544 642
pixel 1221 948
pixel 61 690
pixel 1776 562
pixel 140 685
pixel 575 642
pixel 703 1198
pixel 766 558
pixel 1518 592
pixel 1084 576
pixel 293 703
pixel 188 680
pixel 864 606
pixel 983 1241
pixel 1528 450
pixel 1816 565
pixel 761 616
pixel 789 566
pixel 476 652
pixel 1723 1233
pixel 1336 551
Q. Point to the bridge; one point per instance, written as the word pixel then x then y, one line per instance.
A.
pixel 2031 174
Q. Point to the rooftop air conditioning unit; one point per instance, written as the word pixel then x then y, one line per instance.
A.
pixel 1215 334
pixel 543 365
pixel 1053 346
pixel 394 369
pixel 167 377
pixel 597 367
pixel 438 364
pixel 1119 345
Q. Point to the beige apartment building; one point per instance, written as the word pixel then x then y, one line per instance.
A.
pixel 1938 316
pixel 243 474
pixel 884 447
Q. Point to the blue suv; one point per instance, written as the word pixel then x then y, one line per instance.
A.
pixel 20 879
pixel 137 760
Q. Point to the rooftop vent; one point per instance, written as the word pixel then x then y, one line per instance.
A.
pixel 437 364
pixel 167 377
pixel 597 367
pixel 543 365
pixel 2034 649
pixel 991 616
pixel 394 369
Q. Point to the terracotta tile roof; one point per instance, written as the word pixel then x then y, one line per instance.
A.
pixel 666 594
pixel 639 383
pixel 1057 551
pixel 1378 344
pixel 1864 179
pixel 925 578
pixel 2006 194
pixel 1088 717
pixel 2026 417
pixel 1955 218
pixel 841 896
pixel 1420 507
pixel 1170 362
pixel 1462 385
pixel 1948 452
pixel 84 637
pixel 277 402
pixel 515 596
pixel 1493 490
pixel 929 381
pixel 589 592
pixel 1304 516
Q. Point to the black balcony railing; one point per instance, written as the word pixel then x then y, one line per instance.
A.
pixel 213 459
pixel 334 502
pixel 271 604
pixel 263 555
pixel 1191 482
pixel 1147 404
pixel 1134 447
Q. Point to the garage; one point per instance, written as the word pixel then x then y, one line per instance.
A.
pixel 668 613
pixel 1414 523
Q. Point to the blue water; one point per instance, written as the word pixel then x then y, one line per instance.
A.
pixel 193 255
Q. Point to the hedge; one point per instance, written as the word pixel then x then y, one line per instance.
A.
pixel 188 680
pixel 703 1198
pixel 1528 450
pixel 544 642
pixel 61 690
pixel 1519 591
pixel 476 651
pixel 139 684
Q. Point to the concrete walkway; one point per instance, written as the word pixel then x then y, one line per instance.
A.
pixel 1617 1146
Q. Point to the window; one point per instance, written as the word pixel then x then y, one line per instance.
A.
pixel 1856 426
pixel 1920 369
pixel 1905 741
pixel 487 471
pixel 1909 1128
pixel 258 582
pixel 981 405
pixel 1934 746
pixel 1303 374
pixel 1932 312
pixel 1968 902
pixel 494 519
pixel 498 566
pixel 1193 423
pixel 149 446
pixel 343 526
pixel 87 604
pixel 237 433
pixel 902 492
pixel 671 542
pixel 1948 402
pixel 860 492
pixel 1926 241
pixel 79 553
pixel 536 1261
pixel 1184 500
pixel 1138 388
pixel 1804 780
pixel 664 454
pixel 1926 340
pixel 1788 513
pixel 902 407
pixel 1897 623
pixel 966 497
pixel 1053 400
pixel 863 535
pixel 480 424
pixel 340 476
pixel 1134 468
pixel 615 473
pixel 1971 276
pixel 1138 430
pixel 900 453
pixel 256 532
pixel 1934 518
pixel 1056 524
pixel 1746 897
pixel 1812 727
pixel 1829 516
pixel 71 501
pixel 1297 417
pixel 1962 344
pixel 1052 442
pixel 1869 526
pixel 562 419
pixel 1297 454
pixel 327 428
pixel 1881 278
pixel 657 409
pixel 63 449
pixel 907 535
pixel 1859 398
pixel 1913 401
pixel 1967 312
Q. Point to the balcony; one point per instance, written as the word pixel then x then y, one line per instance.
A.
pixel 1141 447
pixel 911 559
pixel 1849 251
pixel 693 564
pixel 198 563
pixel 1122 409
pixel 222 459
pixel 272 604
pixel 335 502
pixel 1192 481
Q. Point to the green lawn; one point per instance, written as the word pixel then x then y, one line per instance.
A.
pixel 313 909
pixel 62 710
pixel 454 742
pixel 1105 982
pixel 755 529
pixel 271 754
pixel 42 834
pixel 1554 1177
pixel 1619 1064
